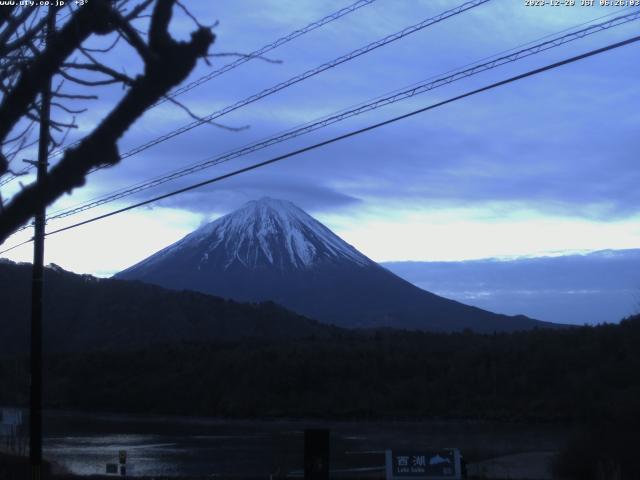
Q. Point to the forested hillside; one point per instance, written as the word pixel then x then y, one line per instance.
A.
pixel 583 373
pixel 83 313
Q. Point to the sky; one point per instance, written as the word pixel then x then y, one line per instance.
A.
pixel 543 166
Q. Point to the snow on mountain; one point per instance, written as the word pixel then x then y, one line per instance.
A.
pixel 265 232
pixel 271 250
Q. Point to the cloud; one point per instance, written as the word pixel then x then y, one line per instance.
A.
pixel 589 288
pixel 538 143
pixel 225 197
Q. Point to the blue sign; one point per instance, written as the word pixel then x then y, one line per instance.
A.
pixel 425 464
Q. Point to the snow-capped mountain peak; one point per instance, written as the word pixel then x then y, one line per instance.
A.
pixel 264 232
pixel 271 250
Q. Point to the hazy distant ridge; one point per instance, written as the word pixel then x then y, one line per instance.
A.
pixel 596 287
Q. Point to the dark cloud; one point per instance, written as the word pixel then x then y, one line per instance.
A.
pixel 224 197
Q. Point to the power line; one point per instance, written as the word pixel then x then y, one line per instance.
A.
pixel 255 54
pixel 229 66
pixel 308 74
pixel 357 132
pixel 208 162
pixel 13 177
pixel 379 102
pixel 16 246
pixel 347 135
pixel 304 76
pixel 267 48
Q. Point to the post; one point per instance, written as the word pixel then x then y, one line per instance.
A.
pixel 35 404
pixel 316 454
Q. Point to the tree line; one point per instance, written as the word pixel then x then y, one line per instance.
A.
pixel 578 374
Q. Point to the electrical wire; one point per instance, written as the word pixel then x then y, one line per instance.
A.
pixel 353 133
pixel 345 136
pixel 303 76
pixel 16 246
pixel 379 102
pixel 306 75
pixel 228 67
pixel 267 48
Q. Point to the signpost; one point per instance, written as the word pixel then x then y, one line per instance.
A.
pixel 12 434
pixel 316 454
pixel 120 467
pixel 444 464
pixel 122 455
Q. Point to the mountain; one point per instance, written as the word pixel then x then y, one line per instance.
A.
pixel 84 313
pixel 272 250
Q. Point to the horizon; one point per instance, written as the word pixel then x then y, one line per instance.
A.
pixel 475 282
pixel 24 257
pixel 64 255
pixel 578 288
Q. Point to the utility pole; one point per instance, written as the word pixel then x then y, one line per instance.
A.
pixel 35 404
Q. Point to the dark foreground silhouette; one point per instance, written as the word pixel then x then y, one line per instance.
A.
pixel 587 377
pixel 580 374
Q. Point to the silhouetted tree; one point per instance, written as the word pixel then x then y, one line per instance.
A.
pixel 27 63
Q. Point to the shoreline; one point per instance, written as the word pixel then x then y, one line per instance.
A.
pixel 112 416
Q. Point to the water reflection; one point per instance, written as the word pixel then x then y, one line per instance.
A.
pixel 84 444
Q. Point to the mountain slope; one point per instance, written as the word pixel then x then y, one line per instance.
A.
pixel 265 234
pixel 84 313
pixel 272 250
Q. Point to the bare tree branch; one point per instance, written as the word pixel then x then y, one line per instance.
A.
pixel 189 112
pixel 87 83
pixel 244 55
pixel 67 109
pixel 14 25
pixel 167 63
pixel 97 67
pixel 133 38
pixel 189 14
pixel 137 10
pixel 26 38
pixel 105 49
pixel 89 19
pixel 75 96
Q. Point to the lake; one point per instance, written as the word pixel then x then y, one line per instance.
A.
pixel 162 445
